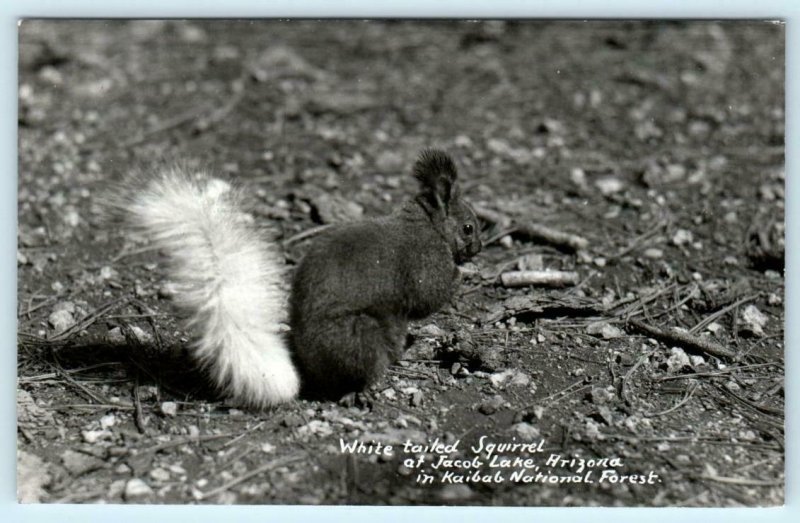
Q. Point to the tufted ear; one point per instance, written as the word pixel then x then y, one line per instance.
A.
pixel 436 174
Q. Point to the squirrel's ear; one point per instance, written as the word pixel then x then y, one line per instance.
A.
pixel 436 173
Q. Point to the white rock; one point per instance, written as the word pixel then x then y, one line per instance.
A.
pixel 159 474
pixel 526 431
pixel 32 477
pixel 169 408
pixel 107 273
pixel 137 490
pixel 754 320
pixel 93 436
pixel 653 253
pixel 61 320
pixel 431 330
pixel 107 421
pixel 604 329
pixel 678 360
pixel 609 185
pixel 682 236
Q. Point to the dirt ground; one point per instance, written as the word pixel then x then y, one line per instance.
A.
pixel 658 146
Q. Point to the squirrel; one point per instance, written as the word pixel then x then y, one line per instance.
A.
pixel 351 296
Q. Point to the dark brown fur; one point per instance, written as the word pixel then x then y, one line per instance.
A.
pixel 359 285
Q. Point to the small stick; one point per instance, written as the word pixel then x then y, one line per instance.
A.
pixel 535 231
pixel 308 233
pixel 553 237
pixel 543 278
pixel 680 404
pixel 626 379
pixel 721 312
pixel 743 481
pixel 490 216
pixel 244 477
pixel 684 339
pixel 183 441
pixel 90 319
pixel 638 241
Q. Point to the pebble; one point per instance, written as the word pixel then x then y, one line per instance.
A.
pixel 93 436
pixel 116 337
pixel 526 431
pixel 653 253
pixel 169 408
pixel 108 273
pixel 678 360
pixel 137 490
pixel 431 330
pixel 159 474
pixel 491 405
pixel 417 399
pixel 609 185
pixel 754 320
pixel 61 320
pixel 682 236
pixel 600 395
pixel 78 463
pixel 604 329
pixel 109 420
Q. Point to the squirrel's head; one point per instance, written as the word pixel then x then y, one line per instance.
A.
pixel 440 197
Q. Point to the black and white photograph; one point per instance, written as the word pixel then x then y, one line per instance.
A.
pixel 527 263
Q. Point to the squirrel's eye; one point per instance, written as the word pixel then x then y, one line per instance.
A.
pixel 468 228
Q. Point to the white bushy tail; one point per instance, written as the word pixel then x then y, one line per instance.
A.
pixel 228 283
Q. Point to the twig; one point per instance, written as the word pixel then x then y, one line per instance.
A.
pixel 166 125
pixel 499 235
pixel 683 339
pixel 36 307
pixel 542 278
pixel 90 319
pixel 493 217
pixel 715 374
pixel 636 242
pixel 138 417
pixel 280 462
pixel 760 408
pixel 51 375
pixel 243 434
pixel 631 310
pixel 93 396
pixel 553 237
pixel 743 481
pixel 680 404
pixel 183 441
pixel 627 377
pixel 721 313
pixel 308 233
pixel 535 231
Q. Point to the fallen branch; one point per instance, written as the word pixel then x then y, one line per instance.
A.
pixel 684 339
pixel 535 231
pixel 558 238
pixel 542 278
pixel 494 217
